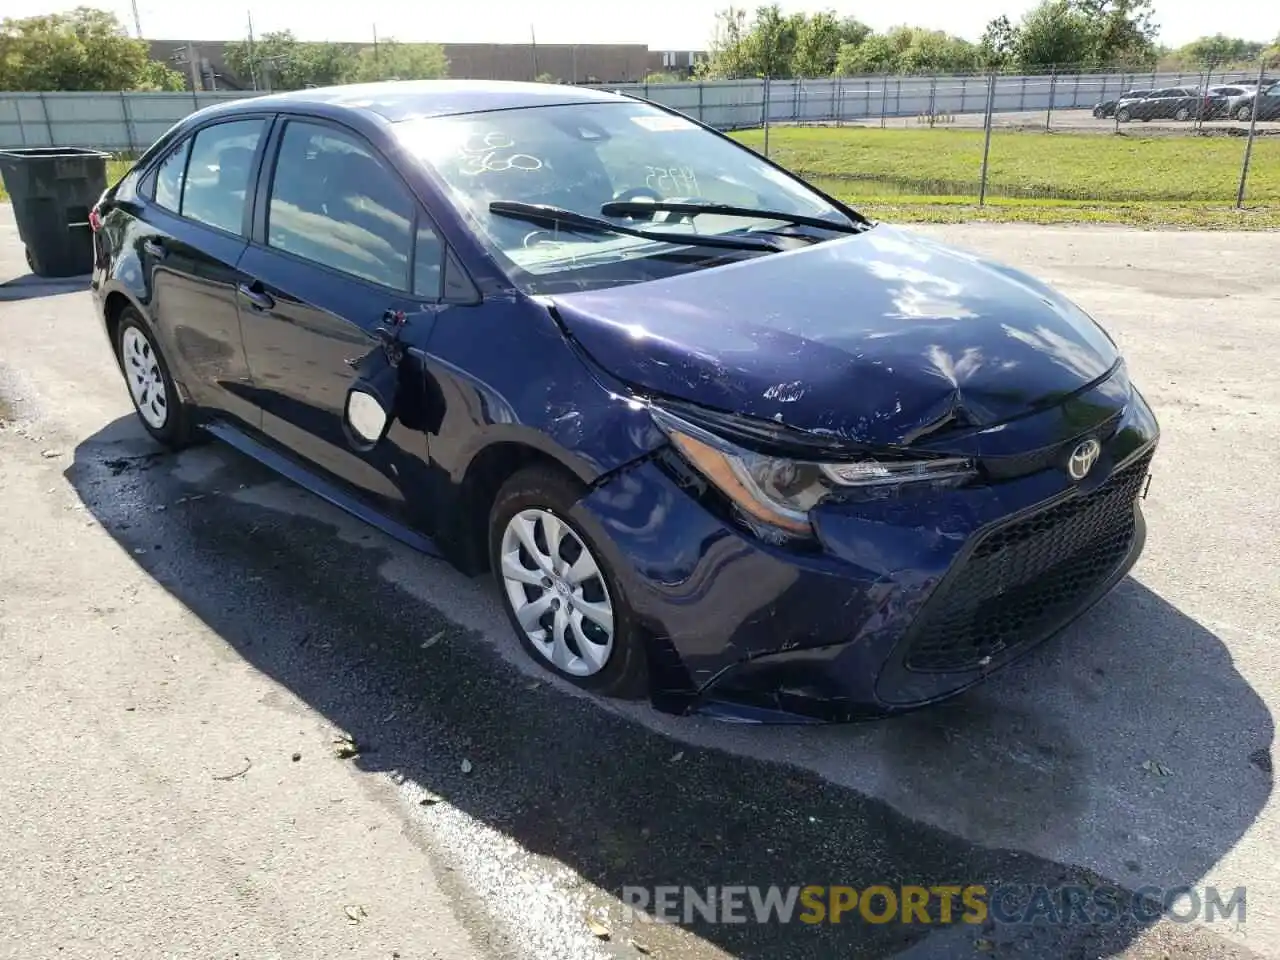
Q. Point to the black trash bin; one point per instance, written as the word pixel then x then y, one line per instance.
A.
pixel 52 190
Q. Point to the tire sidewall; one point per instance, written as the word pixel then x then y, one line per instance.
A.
pixel 625 674
pixel 175 432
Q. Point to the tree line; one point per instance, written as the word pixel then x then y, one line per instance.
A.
pixel 1085 35
pixel 89 49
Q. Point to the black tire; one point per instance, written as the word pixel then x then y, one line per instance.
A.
pixel 178 431
pixel 1182 115
pixel 1244 113
pixel 1123 115
pixel 625 674
pixel 1099 113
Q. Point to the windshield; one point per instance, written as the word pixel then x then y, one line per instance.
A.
pixel 581 156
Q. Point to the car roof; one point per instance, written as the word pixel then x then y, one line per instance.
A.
pixel 398 100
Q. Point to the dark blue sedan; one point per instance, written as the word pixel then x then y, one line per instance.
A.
pixel 722 441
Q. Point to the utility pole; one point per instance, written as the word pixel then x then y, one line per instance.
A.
pixel 194 63
pixel 533 41
pixel 253 63
pixel 376 62
pixel 137 20
pixel 187 56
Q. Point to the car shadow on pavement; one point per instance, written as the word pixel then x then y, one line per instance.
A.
pixel 1131 733
pixel 31 287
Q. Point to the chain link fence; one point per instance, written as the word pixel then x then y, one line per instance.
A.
pixel 1196 148
pixel 1163 147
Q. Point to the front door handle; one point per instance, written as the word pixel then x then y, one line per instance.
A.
pixel 258 298
pixel 154 248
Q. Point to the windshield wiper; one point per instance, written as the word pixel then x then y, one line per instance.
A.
pixel 558 216
pixel 628 208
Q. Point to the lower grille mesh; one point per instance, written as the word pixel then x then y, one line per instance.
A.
pixel 1023 577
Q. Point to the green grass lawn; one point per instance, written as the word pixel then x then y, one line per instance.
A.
pixel 933 175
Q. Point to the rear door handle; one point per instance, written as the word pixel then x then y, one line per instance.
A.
pixel 154 248
pixel 258 298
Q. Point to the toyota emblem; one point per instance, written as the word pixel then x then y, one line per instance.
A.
pixel 1082 459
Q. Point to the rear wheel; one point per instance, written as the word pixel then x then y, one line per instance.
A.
pixel 1123 114
pixel 1099 113
pixel 151 388
pixel 1244 112
pixel 1182 114
pixel 560 592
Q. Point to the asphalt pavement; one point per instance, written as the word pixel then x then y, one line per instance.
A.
pixel 237 722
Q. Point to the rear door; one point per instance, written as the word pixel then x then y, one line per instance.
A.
pixel 190 236
pixel 1159 105
pixel 339 243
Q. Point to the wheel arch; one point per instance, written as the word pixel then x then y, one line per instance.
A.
pixel 114 304
pixel 467 539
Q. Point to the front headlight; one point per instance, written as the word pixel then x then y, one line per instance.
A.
pixel 781 491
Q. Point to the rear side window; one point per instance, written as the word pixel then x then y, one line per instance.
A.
pixel 334 202
pixel 217 180
pixel 169 178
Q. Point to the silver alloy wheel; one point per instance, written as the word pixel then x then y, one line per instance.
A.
pixel 557 592
pixel 146 382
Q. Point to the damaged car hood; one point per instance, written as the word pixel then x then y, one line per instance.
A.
pixel 875 338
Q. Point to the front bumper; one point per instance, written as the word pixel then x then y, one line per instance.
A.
pixel 909 600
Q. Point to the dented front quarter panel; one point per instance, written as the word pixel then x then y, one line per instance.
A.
pixel 503 374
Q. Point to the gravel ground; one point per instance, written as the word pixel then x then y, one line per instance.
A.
pixel 170 621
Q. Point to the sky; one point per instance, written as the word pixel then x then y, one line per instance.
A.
pixel 662 24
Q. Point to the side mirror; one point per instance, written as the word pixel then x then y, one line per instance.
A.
pixel 371 403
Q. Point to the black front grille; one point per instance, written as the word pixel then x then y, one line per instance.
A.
pixel 1016 465
pixel 1024 577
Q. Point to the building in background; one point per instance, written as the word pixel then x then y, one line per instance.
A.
pixel 562 62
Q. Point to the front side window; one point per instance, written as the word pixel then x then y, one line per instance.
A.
pixel 333 202
pixel 582 156
pixel 217 181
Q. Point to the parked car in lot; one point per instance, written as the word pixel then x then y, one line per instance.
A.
pixel 719 439
pixel 1107 108
pixel 1235 95
pixel 1173 103
pixel 1267 104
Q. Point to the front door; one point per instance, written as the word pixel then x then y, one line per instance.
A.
pixel 344 246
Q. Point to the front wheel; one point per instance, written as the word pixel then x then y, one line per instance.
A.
pixel 560 592
pixel 1099 113
pixel 1182 115
pixel 151 387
